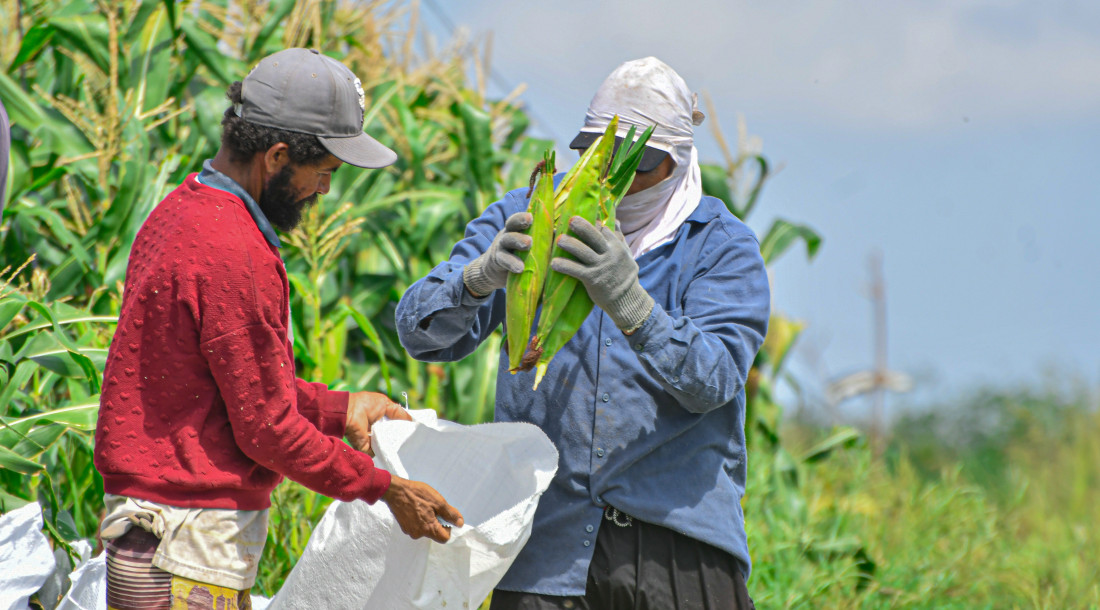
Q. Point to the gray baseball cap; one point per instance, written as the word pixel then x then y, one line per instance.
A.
pixel 303 91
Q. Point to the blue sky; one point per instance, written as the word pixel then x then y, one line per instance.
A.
pixel 958 138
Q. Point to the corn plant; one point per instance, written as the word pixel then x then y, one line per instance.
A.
pixel 778 476
pixel 50 370
pixel 738 184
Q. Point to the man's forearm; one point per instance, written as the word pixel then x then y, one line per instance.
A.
pixel 698 368
pixel 255 377
pixel 439 319
pixel 702 356
pixel 327 409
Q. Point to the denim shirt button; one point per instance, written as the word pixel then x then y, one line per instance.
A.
pixel 589 529
pixel 599 453
pixel 606 397
pixel 638 347
pixel 587 543
pixel 607 341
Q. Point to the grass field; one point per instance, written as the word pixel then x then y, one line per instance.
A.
pixel 979 522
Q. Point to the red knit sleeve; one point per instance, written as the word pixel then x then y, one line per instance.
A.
pixel 244 340
pixel 327 409
pixel 256 379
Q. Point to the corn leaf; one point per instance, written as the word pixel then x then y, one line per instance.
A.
pixel 783 234
pixel 10 460
pixel 524 289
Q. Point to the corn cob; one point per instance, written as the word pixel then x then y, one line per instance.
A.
pixel 565 304
pixel 524 297
pixel 591 190
pixel 525 289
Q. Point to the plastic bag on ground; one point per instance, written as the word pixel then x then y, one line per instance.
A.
pixel 494 474
pixel 89 586
pixel 26 559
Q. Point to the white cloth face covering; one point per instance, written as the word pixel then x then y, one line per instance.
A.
pixel 646 92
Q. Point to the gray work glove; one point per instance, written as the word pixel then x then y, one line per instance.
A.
pixel 607 269
pixel 490 271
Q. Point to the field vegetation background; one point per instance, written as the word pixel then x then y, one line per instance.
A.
pixel 987 501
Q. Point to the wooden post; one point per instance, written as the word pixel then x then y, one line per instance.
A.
pixel 878 395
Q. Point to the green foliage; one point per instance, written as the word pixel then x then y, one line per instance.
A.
pixel 945 533
pixel 738 184
pixel 984 438
pixel 50 369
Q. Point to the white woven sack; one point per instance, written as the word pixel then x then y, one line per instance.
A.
pixel 494 474
pixel 26 559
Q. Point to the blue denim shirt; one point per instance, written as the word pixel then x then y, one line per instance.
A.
pixel 652 423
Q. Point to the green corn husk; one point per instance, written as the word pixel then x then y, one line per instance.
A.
pixel 620 174
pixel 565 304
pixel 525 289
pixel 524 298
pixel 591 190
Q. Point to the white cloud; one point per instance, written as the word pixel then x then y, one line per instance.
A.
pixel 873 65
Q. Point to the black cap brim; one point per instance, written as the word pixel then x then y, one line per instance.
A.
pixel 651 158
pixel 360 151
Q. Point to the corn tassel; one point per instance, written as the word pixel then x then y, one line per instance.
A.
pixel 525 289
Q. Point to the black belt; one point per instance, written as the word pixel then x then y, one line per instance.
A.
pixel 617 516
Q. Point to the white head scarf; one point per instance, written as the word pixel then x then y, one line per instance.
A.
pixel 647 92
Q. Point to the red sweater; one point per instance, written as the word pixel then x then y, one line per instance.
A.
pixel 200 404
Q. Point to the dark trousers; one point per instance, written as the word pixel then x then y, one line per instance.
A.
pixel 642 567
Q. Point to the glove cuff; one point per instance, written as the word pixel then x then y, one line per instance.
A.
pixel 473 275
pixel 631 309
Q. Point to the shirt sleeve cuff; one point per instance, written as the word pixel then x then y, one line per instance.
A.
pixel 379 486
pixel 648 332
pixel 466 298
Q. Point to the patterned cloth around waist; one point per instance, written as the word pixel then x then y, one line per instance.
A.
pixel 132 580
pixel 134 583
pixel 211 545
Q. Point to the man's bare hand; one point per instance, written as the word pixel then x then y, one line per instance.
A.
pixel 364 410
pixel 415 505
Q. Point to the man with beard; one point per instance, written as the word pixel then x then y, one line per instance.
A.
pixel 201 413
pixel 646 403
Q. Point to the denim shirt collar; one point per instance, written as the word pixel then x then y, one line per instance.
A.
pixel 213 178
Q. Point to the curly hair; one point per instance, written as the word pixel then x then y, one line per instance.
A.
pixel 244 139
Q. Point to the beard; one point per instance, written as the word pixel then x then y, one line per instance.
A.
pixel 278 204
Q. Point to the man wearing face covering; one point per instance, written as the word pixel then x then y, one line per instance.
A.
pixel 646 404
